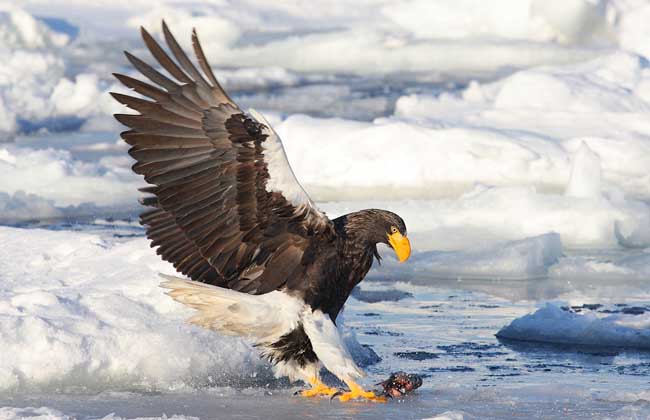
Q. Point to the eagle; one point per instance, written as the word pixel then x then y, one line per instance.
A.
pixel 225 208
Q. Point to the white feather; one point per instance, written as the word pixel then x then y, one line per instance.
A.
pixel 328 345
pixel 264 318
pixel 282 179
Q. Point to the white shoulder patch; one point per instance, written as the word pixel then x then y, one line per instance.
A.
pixel 282 179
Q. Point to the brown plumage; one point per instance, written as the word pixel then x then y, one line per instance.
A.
pixel 223 209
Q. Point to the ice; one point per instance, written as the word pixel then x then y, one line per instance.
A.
pixel 537 119
pixel 630 18
pixel 552 324
pixel 370 37
pixel 21 206
pixel 53 176
pixel 46 413
pixel 20 29
pixel 512 136
pixel 585 174
pixel 611 268
pixel 516 260
pixel 491 215
pixel 509 150
pixel 571 21
pixel 448 415
pixel 59 318
pixel 79 311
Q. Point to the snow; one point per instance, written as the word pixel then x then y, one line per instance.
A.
pixel 448 415
pixel 53 175
pixel 607 268
pixel 20 29
pixel 512 136
pixel 585 180
pixel 58 318
pixel 522 138
pixel 552 324
pixel 46 413
pixel 522 259
pixel 491 215
pixel 33 83
pixel 376 37
pixel 535 120
pixel 537 20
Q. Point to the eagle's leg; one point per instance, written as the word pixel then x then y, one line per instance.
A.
pixel 356 391
pixel 318 388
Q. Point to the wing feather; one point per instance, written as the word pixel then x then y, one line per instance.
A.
pixel 227 207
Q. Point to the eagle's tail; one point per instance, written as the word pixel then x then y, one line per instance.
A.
pixel 261 317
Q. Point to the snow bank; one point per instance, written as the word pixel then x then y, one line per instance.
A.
pixel 630 20
pixel 370 37
pixel 19 29
pixel 468 184
pixel 46 413
pixel 35 90
pixel 490 215
pixel 533 122
pixel 556 148
pixel 40 183
pixel 64 78
pixel 381 37
pixel 80 311
pixel 538 20
pixel 552 324
pixel 522 130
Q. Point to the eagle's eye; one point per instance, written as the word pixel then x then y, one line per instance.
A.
pixel 393 229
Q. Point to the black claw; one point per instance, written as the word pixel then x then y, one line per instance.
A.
pixel 336 394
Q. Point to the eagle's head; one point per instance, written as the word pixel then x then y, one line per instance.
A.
pixel 380 226
pixel 394 234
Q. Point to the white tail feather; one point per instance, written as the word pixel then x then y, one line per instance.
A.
pixel 261 317
pixel 266 318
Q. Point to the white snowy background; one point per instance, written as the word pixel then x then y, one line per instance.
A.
pixel 513 136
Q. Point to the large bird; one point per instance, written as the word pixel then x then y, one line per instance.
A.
pixel 228 212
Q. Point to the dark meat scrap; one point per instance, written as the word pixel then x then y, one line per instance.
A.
pixel 400 384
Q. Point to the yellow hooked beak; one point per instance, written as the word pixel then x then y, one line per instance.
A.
pixel 401 246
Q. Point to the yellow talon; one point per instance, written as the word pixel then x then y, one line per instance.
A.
pixel 357 392
pixel 318 388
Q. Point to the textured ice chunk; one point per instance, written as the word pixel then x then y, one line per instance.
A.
pixel 552 324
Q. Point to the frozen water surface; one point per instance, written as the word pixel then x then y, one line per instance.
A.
pixel 442 329
pixel 511 135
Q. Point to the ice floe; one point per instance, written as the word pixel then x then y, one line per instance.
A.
pixel 553 324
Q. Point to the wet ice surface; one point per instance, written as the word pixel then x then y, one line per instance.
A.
pixel 443 330
pixel 568 143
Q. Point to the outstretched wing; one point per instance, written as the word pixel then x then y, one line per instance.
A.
pixel 227 208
